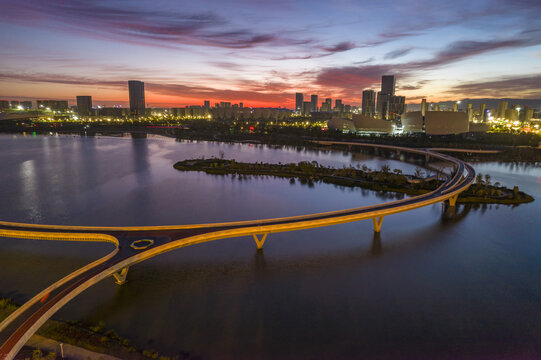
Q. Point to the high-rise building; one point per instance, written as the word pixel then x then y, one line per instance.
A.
pixel 388 84
pixel 502 108
pixel 206 104
pixel 306 107
pixel 137 97
pixel 84 105
pixel 299 100
pixel 4 104
pixel 327 105
pixel 313 102
pixel 241 105
pixel 469 111
pixel 338 106
pixel 424 107
pixel 369 102
pixel 389 106
pixel 15 104
pixel 482 111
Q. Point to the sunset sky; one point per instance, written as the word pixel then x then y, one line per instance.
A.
pixel 262 52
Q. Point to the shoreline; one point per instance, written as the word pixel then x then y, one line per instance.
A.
pixel 309 173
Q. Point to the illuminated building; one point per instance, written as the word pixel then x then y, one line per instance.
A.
pixel 206 104
pixel 436 122
pixel 53 105
pixel 306 107
pixel 313 102
pixel 299 100
pixel 27 105
pixel 502 108
pixel 338 106
pixel 137 97
pixel 369 102
pixel 389 106
pixel 4 104
pixel 424 107
pixel 482 112
pixel 84 105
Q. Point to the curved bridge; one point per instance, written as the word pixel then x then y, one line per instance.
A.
pixel 16 329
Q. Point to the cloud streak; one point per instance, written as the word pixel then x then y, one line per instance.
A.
pixel 152 27
pixel 523 86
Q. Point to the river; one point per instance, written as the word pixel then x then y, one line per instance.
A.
pixel 432 285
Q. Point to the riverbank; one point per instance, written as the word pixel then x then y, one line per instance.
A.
pixel 513 147
pixel 384 180
pixel 81 341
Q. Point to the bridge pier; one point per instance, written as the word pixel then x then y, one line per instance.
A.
pixel 260 242
pixel 120 277
pixel 452 200
pixel 377 223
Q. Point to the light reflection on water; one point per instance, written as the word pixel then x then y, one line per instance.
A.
pixel 435 282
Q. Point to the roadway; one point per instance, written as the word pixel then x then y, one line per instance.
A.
pixel 20 325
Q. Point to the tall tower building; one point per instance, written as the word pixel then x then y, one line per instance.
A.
pixel 469 111
pixel 306 107
pixel 387 84
pixel 424 107
pixel 137 97
pixel 482 111
pixel 299 100
pixel 313 103
pixel 369 102
pixel 206 104
pixel 84 105
pixel 502 108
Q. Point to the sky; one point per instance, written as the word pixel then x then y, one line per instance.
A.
pixel 262 52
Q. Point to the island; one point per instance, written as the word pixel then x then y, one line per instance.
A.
pixel 385 180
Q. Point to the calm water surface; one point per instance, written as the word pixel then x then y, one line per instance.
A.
pixel 434 284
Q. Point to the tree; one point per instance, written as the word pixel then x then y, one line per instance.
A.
pixel 397 171
pixel 385 169
pixel 487 179
pixel 479 179
pixel 418 172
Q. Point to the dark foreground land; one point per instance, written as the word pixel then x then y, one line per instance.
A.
pixel 383 180
pixel 88 336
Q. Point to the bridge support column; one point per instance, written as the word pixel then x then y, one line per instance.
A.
pixel 120 277
pixel 452 200
pixel 259 242
pixel 377 223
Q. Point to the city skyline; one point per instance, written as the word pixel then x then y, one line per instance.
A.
pixel 262 54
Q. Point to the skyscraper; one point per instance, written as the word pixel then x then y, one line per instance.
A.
pixel 387 84
pixel 137 97
pixel 502 108
pixel 369 102
pixel 306 107
pixel 338 106
pixel 424 107
pixel 482 112
pixel 313 103
pixel 206 104
pixel 299 99
pixel 84 105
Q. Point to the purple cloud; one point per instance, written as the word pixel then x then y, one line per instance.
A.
pixel 397 53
